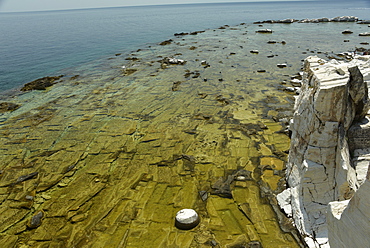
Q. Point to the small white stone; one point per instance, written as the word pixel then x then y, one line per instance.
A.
pixel 186 219
pixel 240 178
pixel 186 216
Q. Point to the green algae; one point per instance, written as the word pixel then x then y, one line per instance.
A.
pixel 118 152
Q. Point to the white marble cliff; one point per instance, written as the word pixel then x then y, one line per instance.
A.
pixel 328 186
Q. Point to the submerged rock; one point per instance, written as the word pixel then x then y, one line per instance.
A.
pixel 166 42
pixel 8 106
pixel 36 220
pixel 347 32
pixel 41 84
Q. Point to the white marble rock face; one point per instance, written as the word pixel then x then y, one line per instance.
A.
pixel 330 150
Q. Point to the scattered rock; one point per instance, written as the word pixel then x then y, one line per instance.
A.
pixel 261 70
pixel 203 195
pixel 254 244
pixel 264 31
pixel 196 32
pixel 254 51
pixel 128 71
pixel 202 95
pixel 8 106
pixel 223 187
pixel 27 177
pixel 186 219
pixel 41 83
pixel 36 220
pixel 166 42
pixel 181 34
pixel 132 58
pixel 176 85
pixel 205 64
pixel 74 77
pixel 364 22
pixel 271 42
pixel 281 65
pixel 174 61
pixel 347 32
pixel 364 34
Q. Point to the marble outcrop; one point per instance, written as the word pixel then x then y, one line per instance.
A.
pixel 329 155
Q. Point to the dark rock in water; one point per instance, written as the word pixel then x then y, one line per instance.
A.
pixel 176 85
pixel 41 83
pixel 223 100
pixel 223 187
pixel 166 42
pixel 36 220
pixel 347 32
pixel 213 243
pixel 27 177
pixel 254 244
pixel 281 65
pixel 196 32
pixel 8 106
pixel 364 22
pixel 181 34
pixel 74 77
pixel 203 195
pixel 129 71
pixel 132 58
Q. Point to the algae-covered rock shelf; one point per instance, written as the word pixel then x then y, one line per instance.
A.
pixel 110 153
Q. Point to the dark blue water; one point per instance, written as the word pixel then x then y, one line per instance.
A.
pixel 37 44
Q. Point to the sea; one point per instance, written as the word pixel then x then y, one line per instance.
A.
pixel 38 44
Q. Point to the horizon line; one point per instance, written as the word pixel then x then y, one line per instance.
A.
pixel 148 5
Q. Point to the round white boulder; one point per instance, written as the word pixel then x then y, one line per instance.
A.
pixel 186 219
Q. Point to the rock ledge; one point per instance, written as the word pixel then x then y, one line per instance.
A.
pixel 329 155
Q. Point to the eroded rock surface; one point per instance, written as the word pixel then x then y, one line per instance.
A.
pixel 328 160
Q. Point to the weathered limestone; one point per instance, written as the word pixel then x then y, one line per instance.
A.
pixel 328 159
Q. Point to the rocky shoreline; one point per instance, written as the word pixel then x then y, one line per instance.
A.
pixel 108 157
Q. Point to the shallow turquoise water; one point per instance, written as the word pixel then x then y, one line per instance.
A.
pixel 37 44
